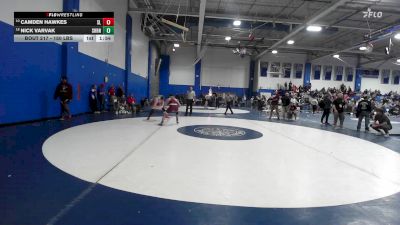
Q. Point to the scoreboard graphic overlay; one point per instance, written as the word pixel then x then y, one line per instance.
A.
pixel 63 26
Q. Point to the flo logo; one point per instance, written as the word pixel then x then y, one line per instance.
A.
pixel 371 14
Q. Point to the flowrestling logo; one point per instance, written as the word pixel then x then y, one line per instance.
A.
pixel 220 132
pixel 372 14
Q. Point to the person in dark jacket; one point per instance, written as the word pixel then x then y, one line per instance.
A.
pixel 285 105
pixel 93 99
pixel 64 93
pixel 363 111
pixel 339 104
pixel 120 92
pixel 218 101
pixel 101 96
pixel 327 105
pixel 229 102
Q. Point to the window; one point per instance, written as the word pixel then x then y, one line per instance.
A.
pixel 287 70
pixel 385 76
pixel 396 76
pixel 298 70
pixel 339 73
pixel 328 72
pixel 317 72
pixel 275 69
pixel 264 69
pixel 349 74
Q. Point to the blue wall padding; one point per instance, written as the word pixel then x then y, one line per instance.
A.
pixel 164 74
pixel 357 81
pixel 251 78
pixel 128 48
pixel 29 73
pixel 307 74
pixel 197 77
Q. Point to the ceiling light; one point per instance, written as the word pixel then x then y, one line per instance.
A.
pixel 228 38
pixel 397 36
pixel 237 22
pixel 290 42
pixel 176 45
pixel 398 60
pixel 274 51
pixel 336 56
pixel 363 48
pixel 314 28
pixel 173 49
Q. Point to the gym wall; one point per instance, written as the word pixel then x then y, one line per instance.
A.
pixel 376 83
pixel 181 66
pixel 220 67
pixel 330 61
pixel 270 82
pixel 140 47
pixel 29 72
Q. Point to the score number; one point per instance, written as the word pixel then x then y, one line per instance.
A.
pixel 108 30
pixel 108 25
pixel 108 22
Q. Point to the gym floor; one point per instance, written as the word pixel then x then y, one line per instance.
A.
pixel 210 169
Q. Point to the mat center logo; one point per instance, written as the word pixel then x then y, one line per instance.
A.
pixel 220 132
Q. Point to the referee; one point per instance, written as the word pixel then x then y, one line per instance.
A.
pixel 190 98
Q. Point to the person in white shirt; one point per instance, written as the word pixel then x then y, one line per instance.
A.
pixel 293 107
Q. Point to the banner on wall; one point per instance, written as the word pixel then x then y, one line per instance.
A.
pixel 370 73
pixel 264 69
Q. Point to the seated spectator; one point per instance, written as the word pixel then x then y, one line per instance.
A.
pixel 395 109
pixel 111 90
pixel 314 104
pixel 131 101
pixel 121 105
